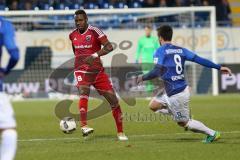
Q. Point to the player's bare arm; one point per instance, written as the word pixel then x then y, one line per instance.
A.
pixel 107 48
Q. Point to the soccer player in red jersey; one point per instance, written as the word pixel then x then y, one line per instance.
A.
pixel 87 42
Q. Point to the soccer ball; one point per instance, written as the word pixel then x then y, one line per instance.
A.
pixel 68 125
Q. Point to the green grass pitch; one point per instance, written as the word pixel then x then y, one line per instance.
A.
pixel 149 138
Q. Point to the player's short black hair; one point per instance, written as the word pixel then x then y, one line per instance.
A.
pixel 80 11
pixel 165 32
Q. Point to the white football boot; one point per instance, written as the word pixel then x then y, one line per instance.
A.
pixel 122 137
pixel 86 131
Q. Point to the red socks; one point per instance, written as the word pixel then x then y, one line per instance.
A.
pixel 117 114
pixel 83 107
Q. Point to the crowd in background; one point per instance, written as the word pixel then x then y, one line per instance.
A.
pixel 222 6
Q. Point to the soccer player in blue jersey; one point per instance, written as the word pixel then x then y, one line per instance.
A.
pixel 169 62
pixel 8 132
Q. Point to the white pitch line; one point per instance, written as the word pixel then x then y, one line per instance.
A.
pixel 47 139
pixel 133 136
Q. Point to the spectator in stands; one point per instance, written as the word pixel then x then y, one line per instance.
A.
pixel 54 3
pixel 222 6
pixel 28 5
pixel 90 4
pixel 223 11
pixel 150 3
pixel 2 2
pixel 14 5
pixel 73 2
pixel 194 2
pixel 228 11
pixel 34 3
pixel 170 3
pixel 205 3
pixel 162 3
pixel 178 3
pixel 204 16
pixel 118 3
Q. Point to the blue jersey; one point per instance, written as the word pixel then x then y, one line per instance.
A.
pixel 172 58
pixel 7 39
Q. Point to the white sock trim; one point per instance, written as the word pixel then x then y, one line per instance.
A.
pixel 197 126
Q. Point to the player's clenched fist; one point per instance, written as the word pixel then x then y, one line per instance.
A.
pixel 138 79
pixel 226 70
pixel 89 60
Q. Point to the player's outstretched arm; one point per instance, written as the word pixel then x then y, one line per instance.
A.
pixel 150 75
pixel 210 64
pixel 205 62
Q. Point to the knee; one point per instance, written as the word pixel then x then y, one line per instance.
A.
pixel 84 90
pixel 154 106
pixel 114 101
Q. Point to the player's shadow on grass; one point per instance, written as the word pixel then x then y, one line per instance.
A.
pixel 173 140
pixel 190 139
pixel 105 137
pixel 100 139
pixel 230 140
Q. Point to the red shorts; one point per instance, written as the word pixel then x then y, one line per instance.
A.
pixel 99 80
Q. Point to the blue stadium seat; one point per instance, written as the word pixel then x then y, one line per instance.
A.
pixel 115 22
pixel 46 6
pixel 91 5
pixel 127 19
pixel 75 6
pixel 60 6
pixel 105 5
pixel 135 4
pixel 102 24
pixel 119 5
pixel 2 7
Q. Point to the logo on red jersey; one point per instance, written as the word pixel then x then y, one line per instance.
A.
pixel 83 46
pixel 88 38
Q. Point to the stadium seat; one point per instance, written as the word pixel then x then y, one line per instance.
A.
pixel 75 6
pixel 135 4
pixel 60 6
pixel 46 6
pixel 91 5
pixel 105 5
pixel 115 22
pixel 120 5
pixel 2 7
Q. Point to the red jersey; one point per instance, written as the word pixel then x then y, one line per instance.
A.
pixel 86 44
